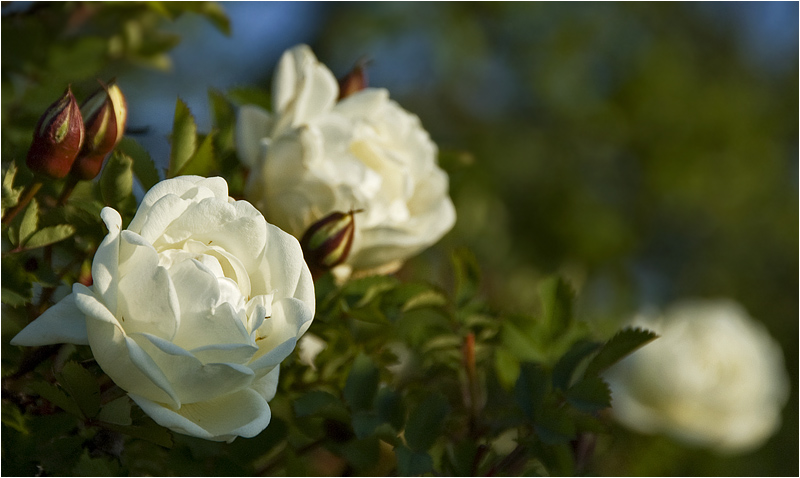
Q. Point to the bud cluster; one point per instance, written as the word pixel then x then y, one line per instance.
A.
pixel 73 140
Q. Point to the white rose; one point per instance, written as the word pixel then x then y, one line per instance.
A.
pixel 715 377
pixel 192 309
pixel 314 156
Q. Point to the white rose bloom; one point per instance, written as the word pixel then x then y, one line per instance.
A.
pixel 314 155
pixel 192 309
pixel 714 378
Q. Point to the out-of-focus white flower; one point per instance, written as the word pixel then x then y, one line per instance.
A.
pixel 309 347
pixel 714 378
pixel 192 309
pixel 315 155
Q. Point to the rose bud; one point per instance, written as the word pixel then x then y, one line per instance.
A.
pixel 326 244
pixel 57 139
pixel 104 113
pixel 354 81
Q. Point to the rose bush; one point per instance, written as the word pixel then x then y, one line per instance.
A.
pixel 315 155
pixel 715 377
pixel 192 309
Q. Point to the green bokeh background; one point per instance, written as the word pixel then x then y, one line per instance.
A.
pixel 633 148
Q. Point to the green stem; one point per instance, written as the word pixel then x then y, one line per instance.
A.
pixel 68 188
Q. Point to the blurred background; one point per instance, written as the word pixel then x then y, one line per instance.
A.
pixel 646 152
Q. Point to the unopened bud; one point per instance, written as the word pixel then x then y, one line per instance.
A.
pixel 327 243
pixel 354 81
pixel 104 114
pixel 57 139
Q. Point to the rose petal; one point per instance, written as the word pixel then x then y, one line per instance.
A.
pixel 160 215
pixel 284 270
pixel 106 260
pixel 205 320
pixel 252 124
pixel 303 87
pixel 244 413
pixel 119 356
pixel 179 186
pixel 192 380
pixel 236 227
pixel 148 301
pixel 267 385
pixel 63 323
pixel 290 320
pixel 231 265
pixel 230 353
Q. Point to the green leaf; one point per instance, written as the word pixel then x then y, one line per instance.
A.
pixel 151 432
pixel 365 423
pixel 49 235
pixel 425 422
pixel 412 463
pixel 224 119
pixel 83 387
pixel 57 397
pixel 412 296
pixel 15 278
pixel 13 299
pixel 183 138
pixel 251 96
pixel 202 161
pixel 390 407
pixel 624 342
pixel 461 457
pixel 362 383
pixel 519 344
pixel 565 368
pixel 13 418
pixel 30 221
pixel 362 454
pixel 116 180
pixel 88 466
pixel 556 296
pixel 117 412
pixel 143 166
pixel 212 11
pixel 531 388
pixel 216 15
pixel 360 292
pixel 467 275
pixel 506 366
pixel 10 195
pixel 370 313
pixel 589 395
pixel 554 427
pixel 319 402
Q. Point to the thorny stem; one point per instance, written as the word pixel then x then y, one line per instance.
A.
pixel 26 198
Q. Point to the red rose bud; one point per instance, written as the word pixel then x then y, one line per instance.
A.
pixel 104 113
pixel 354 81
pixel 57 139
pixel 327 243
